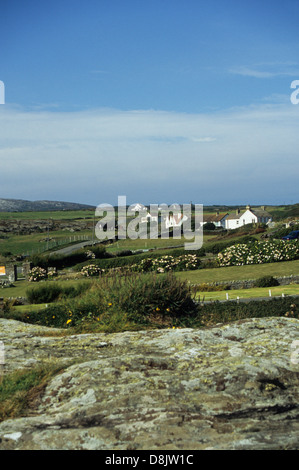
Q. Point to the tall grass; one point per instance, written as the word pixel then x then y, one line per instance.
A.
pixel 47 293
pixel 132 298
pixel 21 389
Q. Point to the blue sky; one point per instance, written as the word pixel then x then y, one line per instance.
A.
pixel 161 101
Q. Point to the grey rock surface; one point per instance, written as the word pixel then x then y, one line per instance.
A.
pixel 229 387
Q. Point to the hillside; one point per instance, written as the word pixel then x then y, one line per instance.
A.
pixel 20 205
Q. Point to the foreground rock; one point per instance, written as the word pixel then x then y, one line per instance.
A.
pixel 229 387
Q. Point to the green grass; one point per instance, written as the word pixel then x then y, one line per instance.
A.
pixel 30 308
pixel 292 289
pixel 20 287
pixel 141 244
pixel 19 390
pixel 45 215
pixel 231 273
pixel 18 290
pixel 20 244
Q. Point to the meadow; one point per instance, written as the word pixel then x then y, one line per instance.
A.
pixel 127 299
pixel 46 215
pixel 35 243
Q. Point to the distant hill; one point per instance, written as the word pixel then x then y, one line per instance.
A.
pixel 20 205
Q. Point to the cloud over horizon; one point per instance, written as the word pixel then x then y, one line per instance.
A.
pixel 244 154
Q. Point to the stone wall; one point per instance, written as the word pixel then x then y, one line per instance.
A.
pixel 39 226
pixel 15 272
pixel 249 283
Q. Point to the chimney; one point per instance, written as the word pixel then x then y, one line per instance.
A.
pixel 248 207
pixel 263 208
pixel 237 211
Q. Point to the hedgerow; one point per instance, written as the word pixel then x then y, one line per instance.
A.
pixel 259 252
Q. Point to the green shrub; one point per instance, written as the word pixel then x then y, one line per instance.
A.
pixel 266 281
pixel 216 248
pixel 91 270
pixel 43 294
pixel 65 261
pixel 209 226
pixel 282 231
pixel 204 287
pixel 37 274
pixel 137 258
pixel 124 253
pixel 259 252
pixel 224 312
pixel 142 295
pixel 136 297
pixel 50 292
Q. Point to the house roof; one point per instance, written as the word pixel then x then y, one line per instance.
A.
pixel 214 217
pixel 234 216
pixel 257 212
pixel 261 213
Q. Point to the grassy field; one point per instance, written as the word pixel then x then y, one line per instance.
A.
pixel 55 215
pixel 144 244
pixel 292 289
pixel 20 287
pixel 212 296
pixel 36 242
pixel 202 276
pixel 233 273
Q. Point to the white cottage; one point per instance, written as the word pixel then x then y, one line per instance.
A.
pixel 250 216
pixel 217 219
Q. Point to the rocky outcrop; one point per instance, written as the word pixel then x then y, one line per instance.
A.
pixel 23 227
pixel 228 387
pixel 21 205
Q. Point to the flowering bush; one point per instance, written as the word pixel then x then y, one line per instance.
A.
pixel 259 252
pixel 91 270
pixel 37 274
pixel 52 273
pixel 168 263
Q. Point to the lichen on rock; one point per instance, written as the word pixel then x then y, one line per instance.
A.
pixel 232 386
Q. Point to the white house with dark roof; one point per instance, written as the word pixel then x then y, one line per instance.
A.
pixel 217 219
pixel 249 216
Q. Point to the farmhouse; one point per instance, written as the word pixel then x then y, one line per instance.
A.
pixel 250 216
pixel 217 219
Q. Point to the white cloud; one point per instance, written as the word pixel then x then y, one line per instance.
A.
pixel 243 154
pixel 267 70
